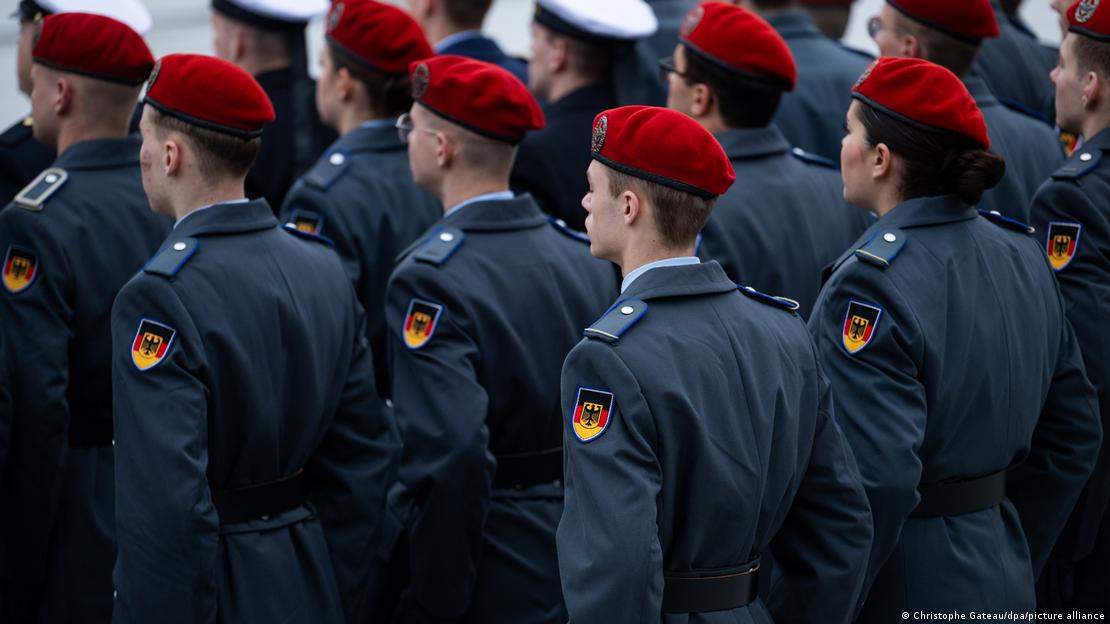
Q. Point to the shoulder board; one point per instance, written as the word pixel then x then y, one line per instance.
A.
pixel 18 133
pixel 1006 222
pixel 882 248
pixel 328 169
pixel 173 256
pixel 564 229
pixel 856 51
pixel 778 302
pixel 298 232
pixel 1080 164
pixel 35 194
pixel 812 159
pixel 616 320
pixel 1018 107
pixel 439 247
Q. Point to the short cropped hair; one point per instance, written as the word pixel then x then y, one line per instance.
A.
pixel 679 215
pixel 219 155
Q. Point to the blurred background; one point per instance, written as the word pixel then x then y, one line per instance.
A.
pixel 182 26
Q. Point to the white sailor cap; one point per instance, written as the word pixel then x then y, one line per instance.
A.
pixel 272 14
pixel 598 20
pixel 130 12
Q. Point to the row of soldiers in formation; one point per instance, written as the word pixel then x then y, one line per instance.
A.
pixel 380 406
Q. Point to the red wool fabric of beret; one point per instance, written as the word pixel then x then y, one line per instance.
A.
pixel 93 45
pixel 924 95
pixel 662 146
pixel 381 36
pixel 1087 19
pixel 210 93
pixel 478 96
pixel 967 20
pixel 740 42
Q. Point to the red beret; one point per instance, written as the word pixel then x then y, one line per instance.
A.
pixel 381 36
pixel 967 20
pixel 739 41
pixel 662 146
pixel 210 93
pixel 478 96
pixel 93 45
pixel 1085 19
pixel 924 95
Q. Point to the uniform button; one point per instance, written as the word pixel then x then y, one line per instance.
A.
pixel 52 178
pixel 889 237
pixel 337 159
pixel 1084 157
pixel 749 289
pixel 626 310
pixel 264 518
pixel 996 213
pixel 179 246
pixel 447 237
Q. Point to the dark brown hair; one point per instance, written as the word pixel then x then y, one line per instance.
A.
pixel 390 95
pixel 1091 55
pixel 945 50
pixel 678 215
pixel 218 155
pixel 468 13
pixel 743 102
pixel 934 163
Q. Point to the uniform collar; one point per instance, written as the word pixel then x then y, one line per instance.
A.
pixel 979 91
pixel 227 218
pixel 457 38
pixel 747 143
pixel 665 262
pixel 680 281
pixel 100 154
pixel 377 137
pixel 793 24
pixel 1100 141
pixel 496 215
pixel 592 98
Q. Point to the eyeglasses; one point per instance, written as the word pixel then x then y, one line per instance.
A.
pixel 875 26
pixel 666 68
pixel 405 127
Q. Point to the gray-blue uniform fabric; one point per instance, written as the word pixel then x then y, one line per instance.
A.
pixel 969 368
pixel 92 230
pixel 293 142
pixel 812 116
pixel 266 371
pixel 783 221
pixel 477 46
pixel 551 163
pixel 514 291
pixel 21 158
pixel 1030 147
pixel 361 196
pixel 719 445
pixel 1074 203
pixel 1015 65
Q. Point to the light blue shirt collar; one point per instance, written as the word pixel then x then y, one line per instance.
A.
pixel 499 195
pixel 234 201
pixel 665 262
pixel 454 38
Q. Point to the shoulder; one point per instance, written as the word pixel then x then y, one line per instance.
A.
pixel 779 303
pixel 331 167
pixel 17 133
pixel 617 321
pixel 856 53
pixel 883 248
pixel 810 158
pixel 1082 163
pixel 47 184
pixel 1007 223
pixel 434 250
pixel 561 227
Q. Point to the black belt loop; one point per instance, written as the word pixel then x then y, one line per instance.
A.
pixel 265 499
pixel 702 594
pixel 960 497
pixel 90 432
pixel 520 470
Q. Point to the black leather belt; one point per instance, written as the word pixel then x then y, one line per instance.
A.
pixel 519 470
pixel 702 594
pixel 90 432
pixel 265 499
pixel 960 497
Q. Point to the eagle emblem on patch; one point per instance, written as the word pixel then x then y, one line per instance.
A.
pixel 151 344
pixel 1061 243
pixel 600 128
pixel 865 75
pixel 20 269
pixel 421 78
pixel 693 18
pixel 1086 10
pixel 859 326
pixel 420 322
pixel 592 410
pixel 307 222
pixel 335 15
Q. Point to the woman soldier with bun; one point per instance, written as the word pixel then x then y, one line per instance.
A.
pixel 957 380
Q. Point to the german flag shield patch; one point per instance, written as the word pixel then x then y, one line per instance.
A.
pixel 1061 243
pixel 152 342
pixel 420 322
pixel 859 325
pixel 20 268
pixel 307 221
pixel 591 413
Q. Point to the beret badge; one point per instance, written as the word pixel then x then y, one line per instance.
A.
pixel 693 18
pixel 600 128
pixel 1086 10
pixel 421 77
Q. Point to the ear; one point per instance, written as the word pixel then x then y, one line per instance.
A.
pixel 1093 90
pixel 632 208
pixel 701 100
pixel 882 162
pixel 445 149
pixel 560 55
pixel 910 47
pixel 173 161
pixel 63 96
pixel 345 85
pixel 236 43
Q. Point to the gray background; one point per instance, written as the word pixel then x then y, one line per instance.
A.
pixel 182 26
